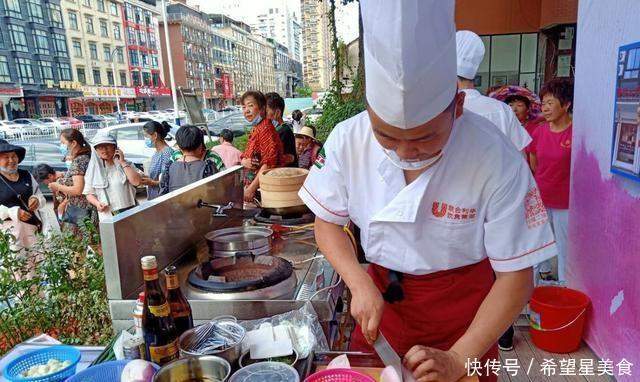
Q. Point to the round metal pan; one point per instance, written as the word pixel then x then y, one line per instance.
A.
pixel 228 241
pixel 285 211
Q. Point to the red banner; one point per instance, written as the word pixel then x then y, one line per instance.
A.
pixel 226 86
pixel 144 91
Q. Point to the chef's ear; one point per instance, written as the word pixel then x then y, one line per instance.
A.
pixel 459 103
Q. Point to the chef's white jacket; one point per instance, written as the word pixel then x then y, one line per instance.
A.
pixel 478 201
pixel 500 114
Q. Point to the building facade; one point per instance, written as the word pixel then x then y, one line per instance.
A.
pixel 96 40
pixel 197 62
pixel 142 36
pixel 527 43
pixel 35 70
pixel 318 58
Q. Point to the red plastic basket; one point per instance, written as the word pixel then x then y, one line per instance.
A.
pixel 339 375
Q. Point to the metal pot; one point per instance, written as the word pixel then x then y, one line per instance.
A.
pixel 207 368
pixel 192 339
pixel 229 241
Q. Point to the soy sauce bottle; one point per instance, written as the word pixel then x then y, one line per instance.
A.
pixel 160 335
pixel 180 308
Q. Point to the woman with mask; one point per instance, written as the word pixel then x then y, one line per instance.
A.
pixel 307 147
pixel 74 208
pixel 264 148
pixel 20 197
pixel 154 137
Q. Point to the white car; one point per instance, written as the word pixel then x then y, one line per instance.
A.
pixel 10 130
pixel 36 127
pixel 57 122
pixel 312 114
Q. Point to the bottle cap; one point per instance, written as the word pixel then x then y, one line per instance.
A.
pixel 149 262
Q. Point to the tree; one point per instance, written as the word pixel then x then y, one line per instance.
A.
pixel 304 91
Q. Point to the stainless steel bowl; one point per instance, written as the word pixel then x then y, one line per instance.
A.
pixel 206 368
pixel 190 340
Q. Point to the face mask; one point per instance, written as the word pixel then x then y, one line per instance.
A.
pixel 148 143
pixel 64 149
pixel 68 164
pixel 256 120
pixel 10 171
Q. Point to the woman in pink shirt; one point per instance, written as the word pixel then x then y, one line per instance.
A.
pixel 550 158
pixel 229 154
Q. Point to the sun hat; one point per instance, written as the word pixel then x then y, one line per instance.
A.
pixel 6 147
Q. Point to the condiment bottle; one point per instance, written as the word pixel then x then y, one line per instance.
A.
pixel 160 335
pixel 180 308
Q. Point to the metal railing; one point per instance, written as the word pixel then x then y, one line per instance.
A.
pixel 38 133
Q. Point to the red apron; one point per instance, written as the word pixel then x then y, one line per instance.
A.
pixel 436 310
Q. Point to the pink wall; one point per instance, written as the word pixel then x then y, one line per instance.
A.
pixel 604 250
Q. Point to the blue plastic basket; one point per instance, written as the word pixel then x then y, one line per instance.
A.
pixel 40 357
pixel 103 372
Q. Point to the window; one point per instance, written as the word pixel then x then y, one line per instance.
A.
pixel 25 71
pixel 114 8
pixel 77 48
pixel 4 70
pixel 35 11
pixel 100 4
pixel 46 71
pixel 145 59
pixel 12 8
pixel 104 29
pixel 86 3
pixel 64 71
pixel 89 22
pixel 146 79
pixel 131 36
pixel 93 50
pixel 147 18
pixel 129 133
pixel 152 40
pixel 106 51
pixel 73 21
pixel 154 61
pixel 135 78
pixel 133 58
pixel 123 78
pixel 142 38
pixel 55 14
pixel 41 41
pixel 120 56
pixel 155 78
pixel 18 38
pixel 82 78
pixel 96 77
pixel 116 32
pixel 110 77
pixel 128 12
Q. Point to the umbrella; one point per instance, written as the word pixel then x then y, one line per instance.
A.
pixel 504 92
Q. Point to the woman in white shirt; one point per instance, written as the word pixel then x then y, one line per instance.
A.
pixel 111 181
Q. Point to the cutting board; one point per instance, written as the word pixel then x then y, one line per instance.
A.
pixel 374 372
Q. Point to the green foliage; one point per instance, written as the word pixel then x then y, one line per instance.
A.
pixel 55 287
pixel 304 91
pixel 241 142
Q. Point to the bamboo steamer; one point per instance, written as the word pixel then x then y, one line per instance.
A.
pixel 279 187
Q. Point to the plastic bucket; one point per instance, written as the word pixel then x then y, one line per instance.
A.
pixel 557 318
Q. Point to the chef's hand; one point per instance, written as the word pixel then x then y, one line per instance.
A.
pixel 102 207
pixel 429 364
pixel 366 308
pixel 249 194
pixel 23 215
pixel 33 203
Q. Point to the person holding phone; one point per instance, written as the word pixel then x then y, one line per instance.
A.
pixel 111 180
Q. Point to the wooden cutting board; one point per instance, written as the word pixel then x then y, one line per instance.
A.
pixel 374 372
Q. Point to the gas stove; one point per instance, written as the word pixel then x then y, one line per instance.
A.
pixel 263 216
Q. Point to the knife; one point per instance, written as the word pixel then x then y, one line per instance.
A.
pixel 388 356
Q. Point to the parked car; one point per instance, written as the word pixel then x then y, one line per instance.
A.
pixel 37 127
pixel 110 118
pixel 234 122
pixel 90 118
pixel 59 123
pixel 73 122
pixel 10 130
pixel 312 114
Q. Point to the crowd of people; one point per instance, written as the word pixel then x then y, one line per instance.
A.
pixel 99 181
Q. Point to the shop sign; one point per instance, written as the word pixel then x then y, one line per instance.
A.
pixel 64 84
pixel 226 85
pixel 145 91
pixel 11 92
pixel 107 92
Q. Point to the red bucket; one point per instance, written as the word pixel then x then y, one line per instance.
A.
pixel 557 318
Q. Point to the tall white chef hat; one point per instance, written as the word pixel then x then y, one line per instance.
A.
pixel 410 63
pixel 470 50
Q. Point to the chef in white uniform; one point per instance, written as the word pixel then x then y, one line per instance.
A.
pixel 442 198
pixel 470 52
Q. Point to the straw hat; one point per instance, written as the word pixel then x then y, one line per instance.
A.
pixel 306 131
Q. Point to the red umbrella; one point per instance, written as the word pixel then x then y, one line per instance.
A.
pixel 508 91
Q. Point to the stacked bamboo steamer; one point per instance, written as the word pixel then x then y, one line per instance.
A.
pixel 279 187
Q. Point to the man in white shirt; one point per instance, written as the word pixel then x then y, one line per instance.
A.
pixel 442 198
pixel 470 52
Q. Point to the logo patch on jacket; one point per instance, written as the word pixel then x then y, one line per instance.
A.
pixel 320 159
pixel 535 213
pixel 446 211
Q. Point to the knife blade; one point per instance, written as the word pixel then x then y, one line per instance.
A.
pixel 388 356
